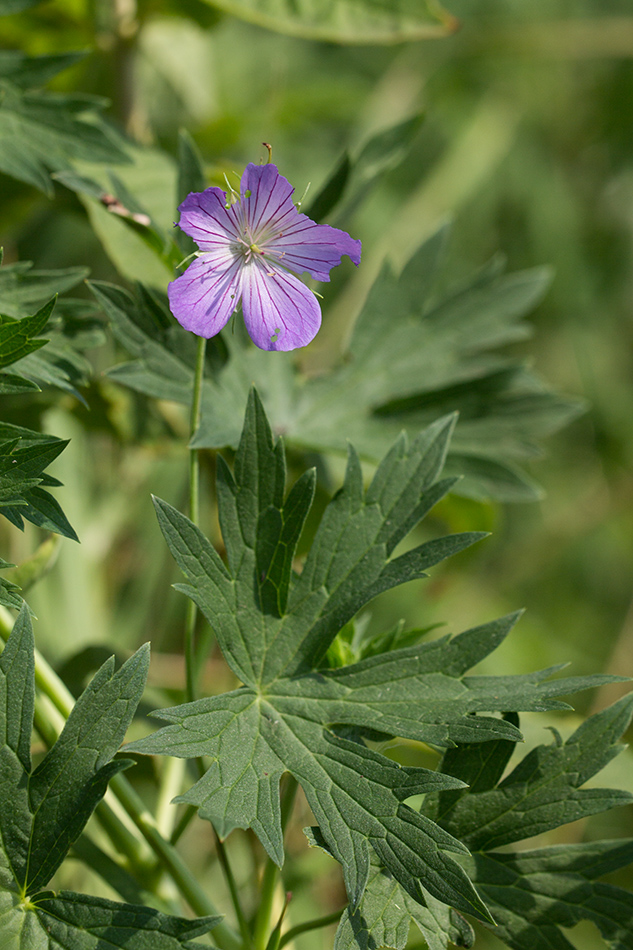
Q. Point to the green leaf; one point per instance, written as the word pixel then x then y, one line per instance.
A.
pixel 274 628
pixel 380 21
pixel 17 336
pixel 43 811
pixel 71 328
pixel 24 456
pixel 353 177
pixel 535 893
pixel 23 290
pixel 9 596
pixel 44 132
pixel 28 71
pixel 383 917
pixel 543 791
pixel 412 359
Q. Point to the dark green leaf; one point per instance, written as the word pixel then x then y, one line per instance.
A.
pixel 534 893
pixel 24 456
pixel 332 191
pixel 17 337
pixel 543 791
pixel 383 917
pixel 293 716
pixel 43 811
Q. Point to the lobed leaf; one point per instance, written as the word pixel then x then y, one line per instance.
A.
pixel 274 628
pixel 24 456
pixel 535 893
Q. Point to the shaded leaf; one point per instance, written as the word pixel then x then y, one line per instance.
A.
pixel 43 132
pixel 543 791
pixel 535 893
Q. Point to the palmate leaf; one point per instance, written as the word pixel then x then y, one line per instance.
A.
pixel 274 628
pixel 43 811
pixel 44 132
pixel 412 358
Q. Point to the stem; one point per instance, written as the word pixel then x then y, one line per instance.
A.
pixel 189 812
pixel 191 661
pixel 194 514
pixel 235 898
pixel 271 873
pixel 179 872
pixel 325 921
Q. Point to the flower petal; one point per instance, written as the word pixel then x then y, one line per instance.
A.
pixel 280 312
pixel 204 217
pixel 315 248
pixel 266 202
pixel 284 234
pixel 203 299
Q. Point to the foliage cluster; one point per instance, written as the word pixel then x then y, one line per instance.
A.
pixel 407 761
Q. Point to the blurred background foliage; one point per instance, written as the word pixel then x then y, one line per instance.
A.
pixel 526 143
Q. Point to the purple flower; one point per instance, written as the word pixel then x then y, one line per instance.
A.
pixel 250 251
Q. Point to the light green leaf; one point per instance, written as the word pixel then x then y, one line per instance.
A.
pixel 347 21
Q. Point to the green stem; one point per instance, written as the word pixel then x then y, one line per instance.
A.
pixel 325 921
pixel 271 873
pixel 187 884
pixel 233 889
pixel 189 812
pixel 194 514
